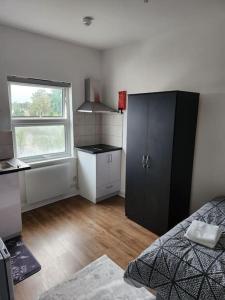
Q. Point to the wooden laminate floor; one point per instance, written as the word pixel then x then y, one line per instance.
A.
pixel 68 235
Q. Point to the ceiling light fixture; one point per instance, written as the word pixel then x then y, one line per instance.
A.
pixel 87 21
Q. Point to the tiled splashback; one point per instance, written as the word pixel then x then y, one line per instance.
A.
pixel 112 129
pixel 6 145
pixel 98 128
pixel 87 128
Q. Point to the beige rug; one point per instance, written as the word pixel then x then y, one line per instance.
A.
pixel 100 280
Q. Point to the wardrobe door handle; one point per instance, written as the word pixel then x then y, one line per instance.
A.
pixel 144 165
pixel 148 161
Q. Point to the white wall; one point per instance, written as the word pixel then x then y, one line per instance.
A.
pixel 33 55
pixel 186 58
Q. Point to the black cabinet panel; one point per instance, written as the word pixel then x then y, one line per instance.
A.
pixel 183 152
pixel 136 142
pixel 162 127
pixel 161 117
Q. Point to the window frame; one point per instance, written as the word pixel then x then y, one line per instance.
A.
pixel 65 120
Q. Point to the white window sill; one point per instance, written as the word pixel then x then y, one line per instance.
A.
pixel 50 162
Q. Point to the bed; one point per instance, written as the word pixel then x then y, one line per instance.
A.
pixel 180 269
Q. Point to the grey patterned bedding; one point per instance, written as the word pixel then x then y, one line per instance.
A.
pixel 180 269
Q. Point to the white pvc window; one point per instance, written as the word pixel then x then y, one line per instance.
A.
pixel 41 123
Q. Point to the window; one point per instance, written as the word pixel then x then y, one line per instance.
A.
pixel 40 114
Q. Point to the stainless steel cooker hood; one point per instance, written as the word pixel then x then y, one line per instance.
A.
pixel 92 102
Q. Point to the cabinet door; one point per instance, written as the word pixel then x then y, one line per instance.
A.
pixel 102 169
pixel 114 166
pixel 10 219
pixel 108 173
pixel 161 118
pixel 87 175
pixel 136 149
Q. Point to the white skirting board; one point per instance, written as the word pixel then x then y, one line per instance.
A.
pixel 122 194
pixel 28 207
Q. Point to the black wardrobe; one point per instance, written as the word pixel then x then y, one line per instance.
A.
pixel 160 148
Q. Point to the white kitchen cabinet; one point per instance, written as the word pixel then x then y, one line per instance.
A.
pixel 99 174
pixel 10 206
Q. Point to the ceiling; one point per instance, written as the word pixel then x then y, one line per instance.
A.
pixel 117 22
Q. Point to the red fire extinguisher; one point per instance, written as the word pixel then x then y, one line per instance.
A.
pixel 122 101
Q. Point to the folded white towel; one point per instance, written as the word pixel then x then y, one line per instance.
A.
pixel 202 233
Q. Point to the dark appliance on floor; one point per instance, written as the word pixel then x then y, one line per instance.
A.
pixel 6 281
pixel 160 148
